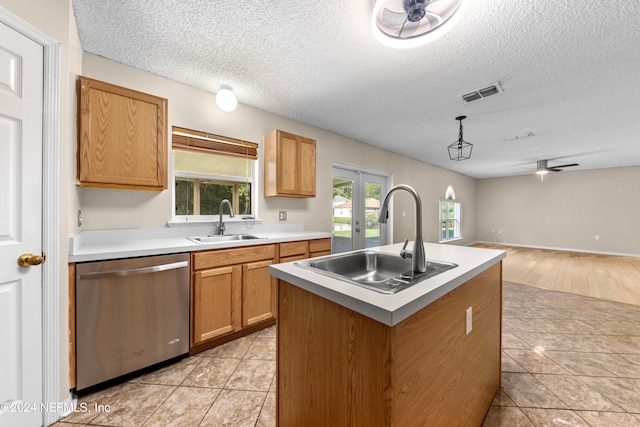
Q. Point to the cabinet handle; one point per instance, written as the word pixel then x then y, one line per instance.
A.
pixel 133 271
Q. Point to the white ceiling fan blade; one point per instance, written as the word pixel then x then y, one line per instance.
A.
pixel 393 19
pixel 408 29
pixel 434 19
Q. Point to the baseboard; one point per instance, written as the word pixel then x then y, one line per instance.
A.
pixel 551 248
pixel 59 410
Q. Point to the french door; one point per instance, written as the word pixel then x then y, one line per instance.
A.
pixel 357 196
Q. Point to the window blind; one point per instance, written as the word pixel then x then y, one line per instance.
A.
pixel 193 140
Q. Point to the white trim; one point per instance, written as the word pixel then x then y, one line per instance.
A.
pixel 553 248
pixel 50 209
pixel 458 220
pixel 356 168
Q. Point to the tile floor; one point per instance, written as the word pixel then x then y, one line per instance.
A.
pixel 567 361
pixel 230 385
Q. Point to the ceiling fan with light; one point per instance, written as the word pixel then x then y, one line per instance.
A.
pixel 543 168
pixel 410 19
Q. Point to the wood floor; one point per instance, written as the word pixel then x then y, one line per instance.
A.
pixel 612 278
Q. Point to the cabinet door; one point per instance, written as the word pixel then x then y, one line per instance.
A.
pixel 216 302
pixel 122 138
pixel 307 167
pixel 258 293
pixel 288 164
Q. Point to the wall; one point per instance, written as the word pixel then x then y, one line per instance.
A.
pixel 566 210
pixel 55 18
pixel 195 109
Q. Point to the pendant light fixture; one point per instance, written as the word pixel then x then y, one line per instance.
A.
pixel 460 149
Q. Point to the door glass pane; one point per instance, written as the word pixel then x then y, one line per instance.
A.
pixel 372 203
pixel 342 214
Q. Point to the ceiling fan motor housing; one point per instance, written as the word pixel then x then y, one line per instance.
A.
pixel 415 9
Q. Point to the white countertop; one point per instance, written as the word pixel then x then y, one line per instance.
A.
pixel 94 245
pixel 393 309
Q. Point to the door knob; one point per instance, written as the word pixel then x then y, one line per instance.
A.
pixel 27 260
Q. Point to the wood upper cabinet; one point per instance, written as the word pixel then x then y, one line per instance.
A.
pixel 122 137
pixel 289 165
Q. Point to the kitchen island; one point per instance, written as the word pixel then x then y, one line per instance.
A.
pixel 350 356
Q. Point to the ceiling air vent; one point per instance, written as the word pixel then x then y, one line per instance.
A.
pixel 482 93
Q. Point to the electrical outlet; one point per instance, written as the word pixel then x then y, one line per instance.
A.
pixel 282 216
pixel 404 214
pixel 469 322
pixel 597 237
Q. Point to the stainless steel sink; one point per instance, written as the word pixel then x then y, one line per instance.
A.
pixel 379 271
pixel 214 238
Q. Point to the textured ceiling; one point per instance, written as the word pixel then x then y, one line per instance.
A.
pixel 570 71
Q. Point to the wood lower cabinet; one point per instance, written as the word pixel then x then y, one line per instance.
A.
pixel 258 298
pixel 216 302
pixel 303 249
pixel 232 294
pixel 294 251
pixel 319 247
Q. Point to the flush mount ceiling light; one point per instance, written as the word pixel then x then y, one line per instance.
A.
pixel 460 150
pixel 226 99
pixel 410 23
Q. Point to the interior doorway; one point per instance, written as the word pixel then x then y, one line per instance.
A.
pixel 357 196
pixel 44 190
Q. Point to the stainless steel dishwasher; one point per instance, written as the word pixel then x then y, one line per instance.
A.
pixel 130 314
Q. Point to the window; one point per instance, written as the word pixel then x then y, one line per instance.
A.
pixel 450 221
pixel 208 169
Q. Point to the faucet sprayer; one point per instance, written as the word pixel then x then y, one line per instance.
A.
pixel 417 255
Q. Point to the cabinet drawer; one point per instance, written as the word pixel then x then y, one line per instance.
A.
pixel 320 245
pixel 293 248
pixel 293 258
pixel 317 254
pixel 222 257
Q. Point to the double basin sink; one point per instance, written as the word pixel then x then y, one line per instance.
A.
pixel 379 271
pixel 215 238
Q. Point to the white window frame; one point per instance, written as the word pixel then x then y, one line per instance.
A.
pixel 457 221
pixel 214 177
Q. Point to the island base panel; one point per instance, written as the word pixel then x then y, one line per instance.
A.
pixel 338 367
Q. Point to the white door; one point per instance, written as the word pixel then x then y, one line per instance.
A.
pixel 357 196
pixel 21 82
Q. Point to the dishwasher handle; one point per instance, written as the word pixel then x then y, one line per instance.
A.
pixel 134 271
